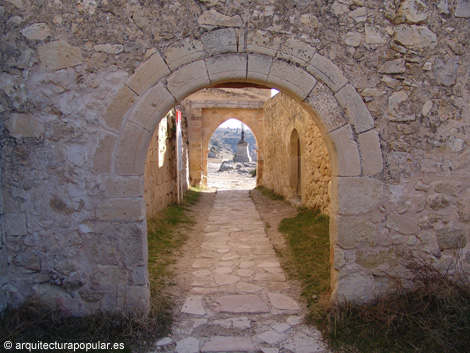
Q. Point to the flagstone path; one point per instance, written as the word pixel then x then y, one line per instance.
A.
pixel 240 300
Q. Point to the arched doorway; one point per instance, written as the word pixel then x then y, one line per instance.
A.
pixel 353 144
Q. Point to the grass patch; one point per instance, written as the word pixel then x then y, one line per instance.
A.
pixel 32 322
pixel 309 261
pixel 269 193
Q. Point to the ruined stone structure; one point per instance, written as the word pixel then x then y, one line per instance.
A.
pixel 84 85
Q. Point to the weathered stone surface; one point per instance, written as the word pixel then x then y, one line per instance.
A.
pixel 375 259
pixel 353 39
pixel 282 302
pixel 463 206
pixel 302 343
pixel 15 224
pixel 400 107
pixel 223 66
pixel 59 55
pixel 203 263
pixel 352 231
pixel 296 51
pixel 355 109
pixel 414 11
pixel 355 195
pixel 248 303
pixel 371 154
pixel 212 18
pixel 184 52
pixel 220 41
pixel 375 35
pixel 37 31
pixel 262 43
pixel 291 78
pixel 187 345
pixel 25 125
pixel 462 8
pixel 452 238
pixel 327 72
pixel 109 48
pixel 271 337
pixel 120 210
pixel 183 81
pixel 228 344
pixel 415 37
pixel 120 104
pixel 359 14
pixel 194 305
pixel 396 66
pixel 224 279
pixel 348 159
pixel 17 3
pixel 123 187
pixel 445 72
pixel 148 74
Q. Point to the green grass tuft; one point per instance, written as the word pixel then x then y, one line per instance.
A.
pixel 309 243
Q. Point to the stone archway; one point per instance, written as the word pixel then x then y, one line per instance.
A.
pixel 352 142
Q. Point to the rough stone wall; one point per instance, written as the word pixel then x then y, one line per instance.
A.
pixel 160 168
pixel 72 73
pixel 281 116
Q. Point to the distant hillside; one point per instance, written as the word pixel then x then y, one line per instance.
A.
pixel 223 143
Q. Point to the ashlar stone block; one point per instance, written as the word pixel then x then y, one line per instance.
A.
pixel 152 107
pixel 122 209
pixel 116 186
pixel 325 71
pixel 25 125
pixel 296 51
pixel 102 157
pixel 184 52
pixel 220 41
pixel 120 104
pixel 147 74
pixel 292 79
pixel 128 160
pixel 371 154
pixel 188 79
pixel 355 108
pixel 229 67
pixel 59 55
pixel 347 158
pixel 355 195
pixel 262 42
pixel 258 67
pixel 352 231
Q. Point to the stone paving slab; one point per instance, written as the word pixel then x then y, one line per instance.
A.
pixel 228 344
pixel 248 303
